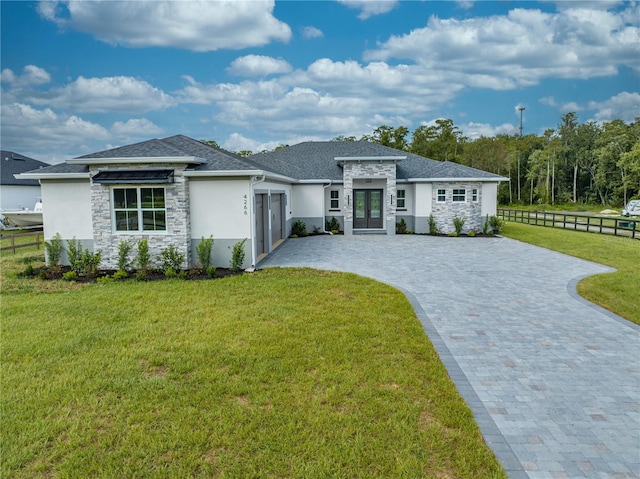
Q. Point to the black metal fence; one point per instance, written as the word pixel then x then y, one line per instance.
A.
pixel 589 223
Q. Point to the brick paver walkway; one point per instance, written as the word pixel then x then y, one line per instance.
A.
pixel 554 381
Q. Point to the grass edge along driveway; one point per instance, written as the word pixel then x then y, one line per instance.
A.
pixel 618 291
pixel 281 373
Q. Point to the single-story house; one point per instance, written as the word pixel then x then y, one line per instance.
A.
pixel 177 190
pixel 18 194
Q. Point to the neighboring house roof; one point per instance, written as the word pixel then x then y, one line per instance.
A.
pixel 13 163
pixel 317 160
pixel 312 160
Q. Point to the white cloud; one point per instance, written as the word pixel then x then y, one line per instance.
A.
pixel 28 129
pixel 238 142
pixel 311 32
pixel 107 94
pixel 31 75
pixel 624 106
pixel 193 25
pixel 369 8
pixel 475 130
pixel 520 48
pixel 258 65
pixel 135 128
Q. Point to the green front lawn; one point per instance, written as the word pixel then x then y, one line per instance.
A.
pixel 618 292
pixel 280 373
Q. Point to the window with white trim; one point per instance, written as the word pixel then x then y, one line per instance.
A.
pixel 401 196
pixel 442 196
pixel 474 195
pixel 139 209
pixel 335 200
pixel 459 195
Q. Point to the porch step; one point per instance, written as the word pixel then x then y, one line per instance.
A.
pixel 369 232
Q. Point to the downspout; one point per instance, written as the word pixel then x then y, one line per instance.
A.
pixel 324 204
pixel 255 180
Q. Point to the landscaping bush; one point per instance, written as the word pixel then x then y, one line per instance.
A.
pixel 333 225
pixel 237 255
pixel 124 248
pixel 485 226
pixel 90 262
pixel 458 223
pixel 401 227
pixel 171 258
pixel 496 224
pixel 204 252
pixel 143 259
pixel 299 228
pixel 75 254
pixel 70 276
pixel 433 229
pixel 54 251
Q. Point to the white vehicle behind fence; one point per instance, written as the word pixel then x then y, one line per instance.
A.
pixel 632 208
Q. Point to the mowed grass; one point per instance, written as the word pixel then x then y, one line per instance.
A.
pixel 618 292
pixel 280 373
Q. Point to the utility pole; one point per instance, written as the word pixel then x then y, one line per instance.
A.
pixel 520 108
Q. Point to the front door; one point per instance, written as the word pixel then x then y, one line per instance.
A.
pixel 367 208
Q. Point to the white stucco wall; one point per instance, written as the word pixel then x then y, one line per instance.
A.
pixel 423 199
pixel 66 209
pixel 307 201
pixel 410 199
pixel 15 197
pixel 489 196
pixel 220 207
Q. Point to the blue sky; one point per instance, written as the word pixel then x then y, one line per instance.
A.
pixel 84 76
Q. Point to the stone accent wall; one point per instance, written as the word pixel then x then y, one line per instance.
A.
pixel 373 170
pixel 178 233
pixel 443 213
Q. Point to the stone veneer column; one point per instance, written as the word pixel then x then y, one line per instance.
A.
pixel 178 218
pixel 370 169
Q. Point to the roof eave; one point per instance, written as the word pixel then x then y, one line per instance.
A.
pixel 189 160
pixel 52 176
pixel 229 173
pixel 496 179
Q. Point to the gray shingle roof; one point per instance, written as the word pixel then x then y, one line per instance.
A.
pixel 312 160
pixel 12 163
pixel 316 160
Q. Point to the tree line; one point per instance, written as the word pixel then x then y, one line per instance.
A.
pixel 573 163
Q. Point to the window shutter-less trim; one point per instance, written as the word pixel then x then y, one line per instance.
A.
pixel 120 177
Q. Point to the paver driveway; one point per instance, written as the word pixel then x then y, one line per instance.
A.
pixel 554 382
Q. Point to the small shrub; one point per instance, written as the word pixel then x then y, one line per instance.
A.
pixel 54 251
pixel 333 225
pixel 204 252
pixel 299 228
pixel 495 223
pixel 90 262
pixel 409 232
pixel 485 226
pixel 120 274
pixel 105 279
pixel 211 272
pixel 29 270
pixel 293 236
pixel 335 232
pixel 143 258
pixel 170 273
pixel 75 254
pixel 43 275
pixel 471 233
pixel 141 275
pixel 316 230
pixel 433 229
pixel 458 223
pixel 237 255
pixel 453 234
pixel 70 276
pixel 401 227
pixel 171 258
pixel 124 248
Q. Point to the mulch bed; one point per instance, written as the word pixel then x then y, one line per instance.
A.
pixel 46 273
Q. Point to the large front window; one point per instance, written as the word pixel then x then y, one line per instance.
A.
pixel 459 195
pixel 139 209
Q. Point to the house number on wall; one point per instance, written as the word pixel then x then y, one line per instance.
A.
pixel 246 207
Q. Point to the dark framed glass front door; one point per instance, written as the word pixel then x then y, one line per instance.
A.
pixel 367 208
